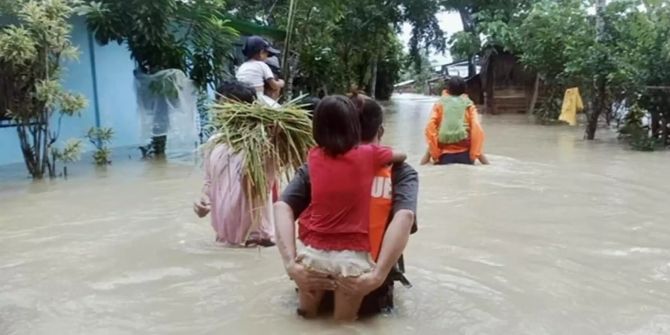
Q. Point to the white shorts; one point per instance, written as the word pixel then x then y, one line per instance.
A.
pixel 344 263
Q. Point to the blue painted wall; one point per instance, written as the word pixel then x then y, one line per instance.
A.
pixel 116 97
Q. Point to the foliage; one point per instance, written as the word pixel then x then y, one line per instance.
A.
pixel 390 65
pixel 31 52
pixel 420 76
pixel 555 36
pixel 191 36
pixel 344 42
pixel 557 39
pixel 463 45
pixel 496 20
pixel 266 137
pixel 70 153
pixel 100 138
pixel 635 132
pixel 550 41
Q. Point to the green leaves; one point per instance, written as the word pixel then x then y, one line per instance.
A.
pixel 17 46
pixel 191 36
pixel 70 153
pixel 100 135
pixel 270 139
pixel 100 138
pixel 53 97
pixel 48 91
pixel 464 44
pixel 72 104
pixel 31 52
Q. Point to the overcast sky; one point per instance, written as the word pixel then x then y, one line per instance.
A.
pixel 450 22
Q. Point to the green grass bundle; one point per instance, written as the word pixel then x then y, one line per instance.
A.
pixel 280 136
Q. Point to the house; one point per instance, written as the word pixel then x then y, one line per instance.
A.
pixel 507 85
pixel 104 75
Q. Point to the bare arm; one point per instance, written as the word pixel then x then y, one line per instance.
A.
pixel 432 131
pixel 275 84
pixel 398 157
pixel 201 207
pixel 405 193
pixel 294 200
pixel 285 230
pixel 395 241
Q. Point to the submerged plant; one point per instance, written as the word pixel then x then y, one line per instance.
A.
pixel 637 135
pixel 100 137
pixel 70 153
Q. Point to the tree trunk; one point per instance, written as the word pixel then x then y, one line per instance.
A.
pixel 373 77
pixel 288 91
pixel 536 92
pixel 598 107
pixel 28 155
pixel 469 27
pixel 467 19
pixel 600 80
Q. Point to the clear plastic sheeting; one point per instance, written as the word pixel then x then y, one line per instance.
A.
pixel 167 104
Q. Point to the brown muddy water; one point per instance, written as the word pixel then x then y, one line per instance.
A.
pixel 558 236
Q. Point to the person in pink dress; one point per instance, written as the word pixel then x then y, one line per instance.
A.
pixel 223 194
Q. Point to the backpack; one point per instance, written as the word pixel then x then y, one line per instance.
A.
pixel 453 128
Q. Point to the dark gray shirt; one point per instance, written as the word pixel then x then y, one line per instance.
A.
pixel 404 178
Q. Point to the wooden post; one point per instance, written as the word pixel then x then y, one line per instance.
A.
pixel 533 100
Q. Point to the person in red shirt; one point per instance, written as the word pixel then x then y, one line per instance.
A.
pixel 334 228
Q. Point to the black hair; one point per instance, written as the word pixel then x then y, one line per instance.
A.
pixel 336 125
pixel 371 116
pixel 234 90
pixel 310 103
pixel 456 86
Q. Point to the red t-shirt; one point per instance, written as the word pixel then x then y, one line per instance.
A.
pixel 338 218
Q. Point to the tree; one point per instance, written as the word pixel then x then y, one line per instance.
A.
pixel 390 65
pixel 494 19
pixel 31 52
pixel 345 42
pixel 191 36
pixel 420 75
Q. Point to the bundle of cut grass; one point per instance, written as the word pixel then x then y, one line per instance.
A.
pixel 279 137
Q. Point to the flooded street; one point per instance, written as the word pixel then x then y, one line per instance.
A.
pixel 557 236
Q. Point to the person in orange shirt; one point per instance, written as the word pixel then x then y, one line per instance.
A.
pixel 453 133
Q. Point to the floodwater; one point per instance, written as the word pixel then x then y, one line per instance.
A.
pixel 558 236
